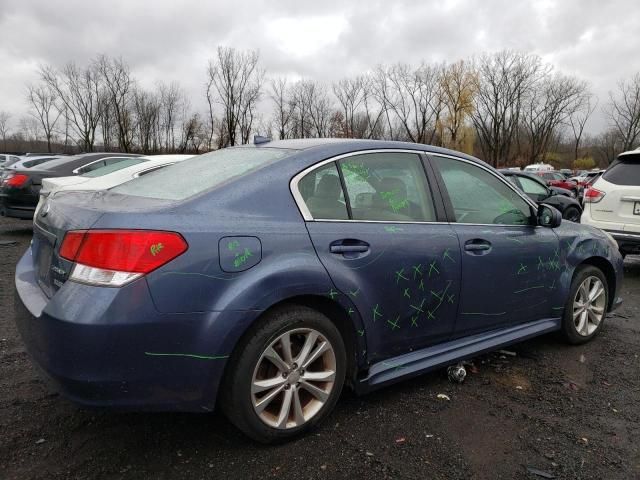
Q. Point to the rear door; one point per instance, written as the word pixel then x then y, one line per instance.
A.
pixel 621 202
pixel 510 267
pixel 374 222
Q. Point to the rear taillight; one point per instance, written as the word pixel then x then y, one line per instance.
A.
pixel 593 195
pixel 15 180
pixel 113 258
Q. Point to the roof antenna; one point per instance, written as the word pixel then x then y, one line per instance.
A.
pixel 259 139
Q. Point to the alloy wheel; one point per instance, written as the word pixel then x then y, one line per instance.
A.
pixel 589 306
pixel 293 378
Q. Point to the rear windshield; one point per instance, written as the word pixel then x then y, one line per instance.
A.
pixel 204 172
pixel 624 172
pixel 114 167
pixel 37 161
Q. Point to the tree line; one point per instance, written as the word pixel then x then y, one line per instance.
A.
pixel 509 108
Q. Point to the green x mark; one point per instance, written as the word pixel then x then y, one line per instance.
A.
pixel 437 295
pixel 394 324
pixel 540 263
pixel 421 286
pixel 432 267
pixel 332 294
pixel 417 270
pixel 450 297
pixel 522 269
pixel 446 255
pixel 354 293
pixel 400 275
pixel 420 308
pixel 414 321
pixel 406 293
pixel 430 315
pixel 376 313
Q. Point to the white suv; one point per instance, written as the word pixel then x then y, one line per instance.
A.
pixel 612 203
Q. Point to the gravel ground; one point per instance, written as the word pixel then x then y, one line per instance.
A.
pixel 572 412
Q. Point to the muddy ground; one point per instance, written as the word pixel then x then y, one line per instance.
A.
pixel 570 412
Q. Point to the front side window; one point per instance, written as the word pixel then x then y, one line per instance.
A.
pixel 479 197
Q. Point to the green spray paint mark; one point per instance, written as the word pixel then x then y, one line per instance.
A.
pixel 233 245
pixel 514 239
pixel 241 259
pixel 540 263
pixel 432 268
pixel 406 293
pixel 400 275
pixel 350 311
pixel 354 293
pixel 553 285
pixel 446 255
pixel 421 307
pixel 421 286
pixel 417 270
pixel 361 333
pixel 484 314
pixel 438 295
pixel 522 269
pixel 394 324
pixel 529 288
pixel 332 294
pixel 450 297
pixel 189 355
pixel 430 315
pixel 376 313
pixel 557 308
pixel 393 229
pixel 414 321
pixel 358 169
pixel 156 249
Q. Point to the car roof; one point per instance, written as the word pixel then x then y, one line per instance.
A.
pixel 67 164
pixel 533 177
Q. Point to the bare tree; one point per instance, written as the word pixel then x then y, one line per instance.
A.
pixel 44 102
pixel 284 106
pixel 624 111
pixel 236 79
pixel 503 80
pixel 586 106
pixel 4 127
pixel 171 97
pixel 550 101
pixel 119 86
pixel 608 145
pixel 350 93
pixel 78 90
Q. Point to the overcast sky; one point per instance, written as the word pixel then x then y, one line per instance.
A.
pixel 328 39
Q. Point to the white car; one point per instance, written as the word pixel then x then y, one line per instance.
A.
pixel 111 175
pixel 612 203
pixel 538 167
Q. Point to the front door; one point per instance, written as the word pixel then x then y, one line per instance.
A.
pixel 510 267
pixel 384 249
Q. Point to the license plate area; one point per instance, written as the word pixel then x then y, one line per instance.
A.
pixel 43 249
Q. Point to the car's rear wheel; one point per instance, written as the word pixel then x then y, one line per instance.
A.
pixel 286 376
pixel 587 306
pixel 572 214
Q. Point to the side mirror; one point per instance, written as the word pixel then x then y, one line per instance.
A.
pixel 548 216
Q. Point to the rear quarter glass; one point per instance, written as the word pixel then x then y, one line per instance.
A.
pixel 199 174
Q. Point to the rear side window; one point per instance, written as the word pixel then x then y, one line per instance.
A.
pixel 532 187
pixel 478 197
pixel 204 172
pixel 388 187
pixel 113 167
pixel 624 172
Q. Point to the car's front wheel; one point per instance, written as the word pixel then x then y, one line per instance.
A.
pixel 587 305
pixel 286 376
pixel 572 214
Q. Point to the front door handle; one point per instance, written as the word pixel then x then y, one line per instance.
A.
pixel 349 246
pixel 477 246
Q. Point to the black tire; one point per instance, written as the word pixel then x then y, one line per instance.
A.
pixel 569 329
pixel 235 394
pixel 572 213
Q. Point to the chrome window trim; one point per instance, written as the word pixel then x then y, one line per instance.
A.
pixel 297 196
pixel 306 214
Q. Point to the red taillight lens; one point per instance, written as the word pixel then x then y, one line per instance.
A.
pixel 16 180
pixel 593 195
pixel 132 251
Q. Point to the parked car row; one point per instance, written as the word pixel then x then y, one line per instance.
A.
pixel 264 278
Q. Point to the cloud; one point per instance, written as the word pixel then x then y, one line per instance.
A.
pixel 168 40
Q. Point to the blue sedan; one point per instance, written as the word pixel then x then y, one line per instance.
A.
pixel 264 278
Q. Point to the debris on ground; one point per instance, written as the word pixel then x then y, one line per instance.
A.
pixel 456 373
pixel 401 440
pixel 40 441
pixel 509 353
pixel 8 243
pixel 442 396
pixel 540 473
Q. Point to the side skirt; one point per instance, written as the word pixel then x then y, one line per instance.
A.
pixel 412 364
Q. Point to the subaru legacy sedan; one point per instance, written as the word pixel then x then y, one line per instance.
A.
pixel 264 278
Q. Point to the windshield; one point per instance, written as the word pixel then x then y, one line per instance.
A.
pixel 114 167
pixel 198 174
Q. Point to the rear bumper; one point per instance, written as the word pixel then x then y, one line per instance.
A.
pixel 628 242
pixel 9 208
pixel 111 348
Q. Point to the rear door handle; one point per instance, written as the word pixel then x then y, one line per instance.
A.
pixel 349 246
